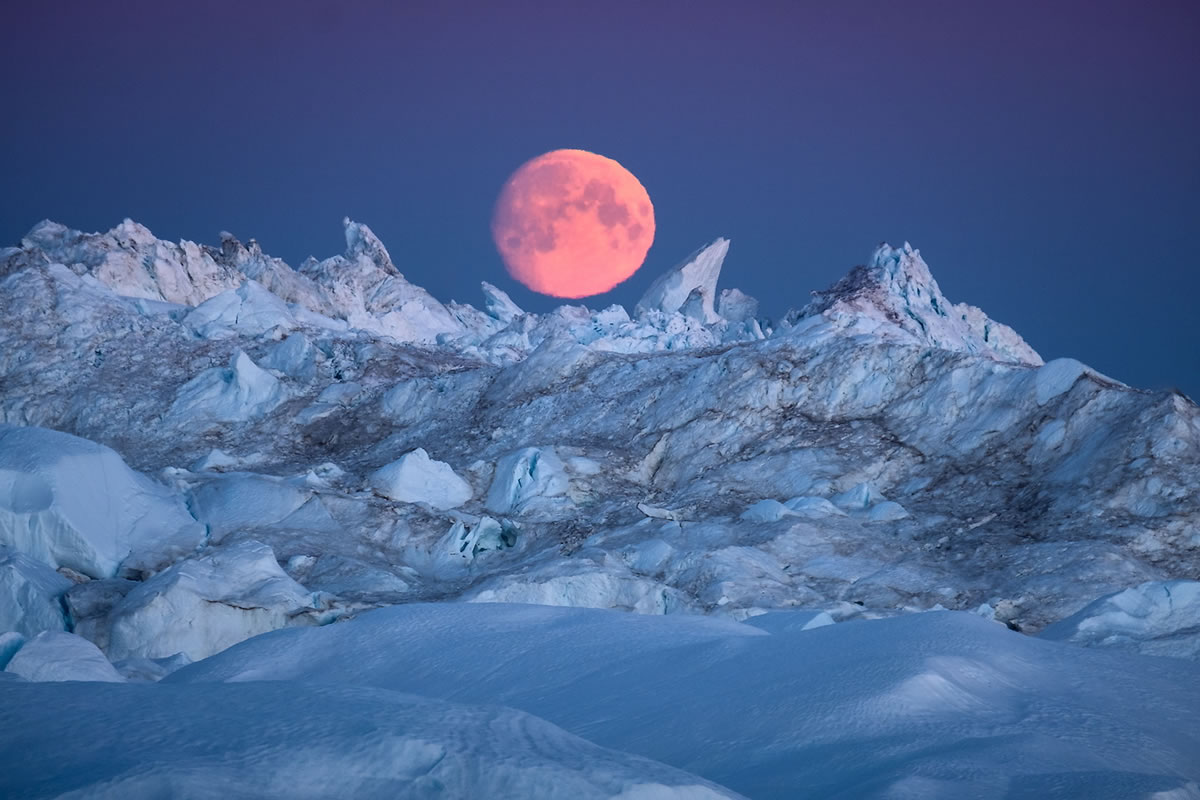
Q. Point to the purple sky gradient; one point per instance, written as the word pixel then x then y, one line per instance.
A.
pixel 1043 155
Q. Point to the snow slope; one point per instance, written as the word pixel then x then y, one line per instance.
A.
pixel 930 705
pixel 285 740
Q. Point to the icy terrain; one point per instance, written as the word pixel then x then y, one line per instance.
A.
pixel 926 705
pixel 199 445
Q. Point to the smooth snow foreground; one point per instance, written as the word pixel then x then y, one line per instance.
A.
pixel 936 705
pixel 286 740
pixel 927 705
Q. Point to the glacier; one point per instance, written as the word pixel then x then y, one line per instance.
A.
pixel 217 468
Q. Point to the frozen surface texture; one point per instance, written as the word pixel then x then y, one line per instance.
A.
pixel 205 444
pixel 897 298
pixel 249 310
pixel 284 740
pixel 1157 618
pixel 239 392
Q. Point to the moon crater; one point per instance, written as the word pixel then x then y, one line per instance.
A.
pixel 571 223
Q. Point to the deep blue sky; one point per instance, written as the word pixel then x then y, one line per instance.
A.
pixel 1044 156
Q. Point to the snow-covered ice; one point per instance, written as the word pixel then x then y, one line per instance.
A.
pixel 244 501
pixel 1156 618
pixel 249 310
pixel 237 393
pixel 813 506
pixel 766 511
pixel 696 276
pixel 295 356
pixel 10 643
pixel 30 595
pixel 61 656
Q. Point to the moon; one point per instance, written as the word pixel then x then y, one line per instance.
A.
pixel 571 223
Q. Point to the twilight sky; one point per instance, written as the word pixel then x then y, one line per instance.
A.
pixel 1044 156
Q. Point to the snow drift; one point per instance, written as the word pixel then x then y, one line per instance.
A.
pixel 937 705
pixel 280 740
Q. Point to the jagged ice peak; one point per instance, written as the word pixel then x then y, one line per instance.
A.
pixel 894 299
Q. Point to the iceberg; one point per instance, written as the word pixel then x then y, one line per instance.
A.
pixel 61 656
pixel 249 310
pixel 929 459
pixel 69 502
pixel 695 277
pixel 417 478
pixel 202 606
pixel 30 595
pixel 240 392
pixel 1154 618
pixel 531 477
